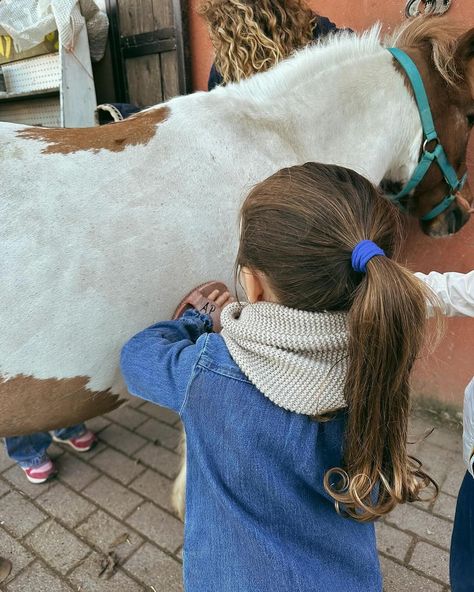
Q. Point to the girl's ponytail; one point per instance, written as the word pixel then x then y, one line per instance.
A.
pixel 300 228
pixel 387 322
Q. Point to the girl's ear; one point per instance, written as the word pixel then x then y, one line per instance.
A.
pixel 253 286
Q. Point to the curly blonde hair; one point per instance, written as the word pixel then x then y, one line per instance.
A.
pixel 251 36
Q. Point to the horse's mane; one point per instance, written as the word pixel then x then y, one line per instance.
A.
pixel 315 59
pixel 435 32
pixel 440 33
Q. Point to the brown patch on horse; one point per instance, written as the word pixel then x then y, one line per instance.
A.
pixel 440 35
pixel 470 76
pixel 433 42
pixel 448 106
pixel 29 405
pixel 115 137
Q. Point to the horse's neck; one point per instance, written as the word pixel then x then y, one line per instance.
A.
pixel 357 114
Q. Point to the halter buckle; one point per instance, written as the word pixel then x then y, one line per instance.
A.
pixel 430 141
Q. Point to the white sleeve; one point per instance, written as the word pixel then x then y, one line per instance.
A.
pixel 468 438
pixel 454 290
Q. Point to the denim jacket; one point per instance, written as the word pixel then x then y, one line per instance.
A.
pixel 257 516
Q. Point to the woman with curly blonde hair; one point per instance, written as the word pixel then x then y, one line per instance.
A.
pixel 251 36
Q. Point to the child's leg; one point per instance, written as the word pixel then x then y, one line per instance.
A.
pixel 28 451
pixel 462 542
pixel 71 432
pixel 77 437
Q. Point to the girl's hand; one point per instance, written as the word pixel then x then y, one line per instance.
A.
pixel 218 301
pixel 221 299
pixel 209 299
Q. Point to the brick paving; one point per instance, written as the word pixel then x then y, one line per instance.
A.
pixel 105 524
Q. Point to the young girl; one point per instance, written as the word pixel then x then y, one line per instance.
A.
pixel 333 326
pixel 251 36
pixel 30 452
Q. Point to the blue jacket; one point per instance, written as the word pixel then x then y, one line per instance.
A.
pixel 257 516
pixel 323 27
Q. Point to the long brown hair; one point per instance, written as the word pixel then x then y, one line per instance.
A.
pixel 251 36
pixel 299 228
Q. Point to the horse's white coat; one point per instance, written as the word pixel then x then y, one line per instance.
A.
pixel 96 246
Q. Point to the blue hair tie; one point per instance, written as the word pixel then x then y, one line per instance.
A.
pixel 363 253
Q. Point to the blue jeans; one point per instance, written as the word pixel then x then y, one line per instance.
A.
pixel 462 543
pixel 30 451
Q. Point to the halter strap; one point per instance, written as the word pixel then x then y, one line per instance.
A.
pixel 438 153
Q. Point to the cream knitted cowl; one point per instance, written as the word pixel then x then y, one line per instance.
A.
pixel 297 359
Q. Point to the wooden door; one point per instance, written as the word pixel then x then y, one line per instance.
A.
pixel 148 52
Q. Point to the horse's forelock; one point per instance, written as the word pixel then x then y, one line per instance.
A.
pixel 441 34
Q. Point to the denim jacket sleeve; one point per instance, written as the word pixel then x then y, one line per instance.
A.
pixel 157 363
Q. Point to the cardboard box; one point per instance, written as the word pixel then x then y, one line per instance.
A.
pixel 8 53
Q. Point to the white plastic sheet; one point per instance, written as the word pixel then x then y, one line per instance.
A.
pixel 29 21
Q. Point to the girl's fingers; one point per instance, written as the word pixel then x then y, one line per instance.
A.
pixel 229 301
pixel 213 296
pixel 222 299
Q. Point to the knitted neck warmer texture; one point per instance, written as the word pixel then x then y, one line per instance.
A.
pixel 297 359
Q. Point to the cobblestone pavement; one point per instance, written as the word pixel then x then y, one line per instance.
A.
pixel 106 524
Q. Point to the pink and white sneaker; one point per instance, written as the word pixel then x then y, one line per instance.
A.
pixel 82 443
pixel 40 473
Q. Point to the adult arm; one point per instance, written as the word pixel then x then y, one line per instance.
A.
pixel 454 290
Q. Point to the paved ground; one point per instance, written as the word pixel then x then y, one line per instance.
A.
pixel 106 524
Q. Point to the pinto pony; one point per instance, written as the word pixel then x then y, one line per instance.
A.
pixel 102 229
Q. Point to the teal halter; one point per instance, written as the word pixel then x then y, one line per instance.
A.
pixel 437 154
